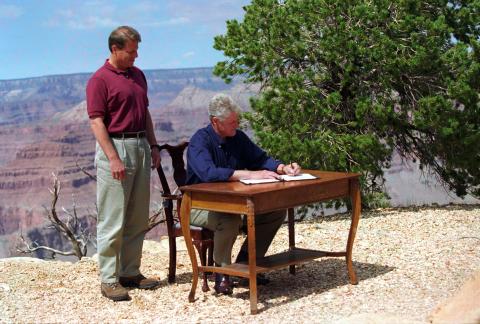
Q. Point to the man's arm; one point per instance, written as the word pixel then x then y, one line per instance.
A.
pixel 259 160
pixel 101 135
pixel 247 174
pixel 156 159
pixel 200 160
pixel 290 169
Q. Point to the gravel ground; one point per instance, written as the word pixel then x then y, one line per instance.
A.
pixel 407 261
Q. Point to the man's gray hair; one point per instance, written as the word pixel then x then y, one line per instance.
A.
pixel 222 105
pixel 120 35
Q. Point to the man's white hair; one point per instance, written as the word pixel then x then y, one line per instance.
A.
pixel 222 105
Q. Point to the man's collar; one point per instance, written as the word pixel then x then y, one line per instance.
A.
pixel 114 69
pixel 216 138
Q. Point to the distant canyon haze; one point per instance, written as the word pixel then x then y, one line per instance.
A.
pixel 44 129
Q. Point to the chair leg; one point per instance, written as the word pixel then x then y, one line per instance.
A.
pixel 202 251
pixel 210 275
pixel 172 268
pixel 210 253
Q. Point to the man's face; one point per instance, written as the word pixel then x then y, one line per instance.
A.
pixel 228 126
pixel 126 56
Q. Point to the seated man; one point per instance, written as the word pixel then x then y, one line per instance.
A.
pixel 221 152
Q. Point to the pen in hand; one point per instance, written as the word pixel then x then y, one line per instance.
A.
pixel 292 169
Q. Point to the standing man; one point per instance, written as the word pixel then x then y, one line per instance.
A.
pixel 221 152
pixel 126 150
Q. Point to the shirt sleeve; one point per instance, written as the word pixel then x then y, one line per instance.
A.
pixel 146 87
pixel 257 158
pixel 96 98
pixel 200 160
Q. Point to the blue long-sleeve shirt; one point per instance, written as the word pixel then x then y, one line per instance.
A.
pixel 210 159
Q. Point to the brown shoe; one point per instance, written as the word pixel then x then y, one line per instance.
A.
pixel 139 281
pixel 114 291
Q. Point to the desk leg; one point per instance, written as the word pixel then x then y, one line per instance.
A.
pixel 291 235
pixel 185 222
pixel 252 257
pixel 356 207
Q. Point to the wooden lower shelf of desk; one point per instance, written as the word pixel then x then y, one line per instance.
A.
pixel 273 262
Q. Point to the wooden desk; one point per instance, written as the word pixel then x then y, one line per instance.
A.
pixel 251 200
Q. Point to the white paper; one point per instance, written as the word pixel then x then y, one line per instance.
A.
pixel 301 176
pixel 256 181
pixel 283 177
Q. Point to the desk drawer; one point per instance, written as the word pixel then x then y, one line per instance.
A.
pixel 301 196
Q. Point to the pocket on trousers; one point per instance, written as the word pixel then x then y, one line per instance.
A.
pixel 104 175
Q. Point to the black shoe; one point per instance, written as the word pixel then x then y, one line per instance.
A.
pixel 262 280
pixel 223 285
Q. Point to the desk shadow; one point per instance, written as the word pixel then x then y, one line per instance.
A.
pixel 186 278
pixel 316 277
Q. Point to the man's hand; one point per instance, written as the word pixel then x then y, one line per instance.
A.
pixel 246 174
pixel 263 174
pixel 156 159
pixel 155 150
pixel 118 169
pixel 292 169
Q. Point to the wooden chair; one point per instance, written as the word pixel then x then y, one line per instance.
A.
pixel 202 237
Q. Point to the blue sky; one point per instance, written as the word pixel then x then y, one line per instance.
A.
pixel 46 37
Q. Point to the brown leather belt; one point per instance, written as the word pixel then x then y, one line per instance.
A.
pixel 128 135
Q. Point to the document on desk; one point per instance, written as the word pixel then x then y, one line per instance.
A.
pixel 283 177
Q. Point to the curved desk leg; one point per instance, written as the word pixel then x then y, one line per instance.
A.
pixel 252 257
pixel 356 207
pixel 185 222
pixel 291 235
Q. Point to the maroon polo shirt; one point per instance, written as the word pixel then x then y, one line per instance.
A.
pixel 120 97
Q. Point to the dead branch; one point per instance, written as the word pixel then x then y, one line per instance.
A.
pixel 30 248
pixel 91 176
pixel 158 217
pixel 153 220
pixel 71 228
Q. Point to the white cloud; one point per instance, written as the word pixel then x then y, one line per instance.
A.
pixel 207 16
pixel 92 22
pixel 188 54
pixel 10 11
pixel 89 15
pixel 176 21
pixel 100 14
pixel 210 14
pixel 163 23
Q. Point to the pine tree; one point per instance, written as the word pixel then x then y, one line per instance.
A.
pixel 345 83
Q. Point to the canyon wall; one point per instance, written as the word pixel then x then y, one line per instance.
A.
pixel 44 129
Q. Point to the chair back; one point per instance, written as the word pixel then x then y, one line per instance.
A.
pixel 179 175
pixel 178 164
pixel 202 237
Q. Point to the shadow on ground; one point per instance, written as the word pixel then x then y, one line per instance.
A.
pixel 316 277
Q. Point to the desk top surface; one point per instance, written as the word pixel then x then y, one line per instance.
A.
pixel 237 188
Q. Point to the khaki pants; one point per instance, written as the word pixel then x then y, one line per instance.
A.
pixel 227 227
pixel 123 209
